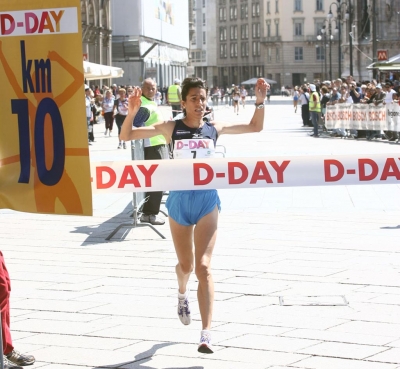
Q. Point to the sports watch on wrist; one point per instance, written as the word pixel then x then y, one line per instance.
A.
pixel 259 106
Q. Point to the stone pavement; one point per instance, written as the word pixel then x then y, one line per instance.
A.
pixel 79 301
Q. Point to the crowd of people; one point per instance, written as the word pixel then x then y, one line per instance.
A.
pixel 315 97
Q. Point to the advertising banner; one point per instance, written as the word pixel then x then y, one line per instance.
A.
pixel 44 158
pixel 363 117
pixel 293 171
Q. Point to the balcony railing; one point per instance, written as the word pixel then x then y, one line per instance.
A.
pixel 271 39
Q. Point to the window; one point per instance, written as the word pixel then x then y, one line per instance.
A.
pixel 222 51
pixel 204 38
pixel 234 50
pixel 320 53
pixel 256 48
pixel 269 55
pixel 319 24
pixel 194 39
pixel 268 7
pixel 320 5
pixel 298 28
pixel 268 29
pixel 222 14
pixel 298 53
pixel 277 55
pixel 204 3
pixel 277 27
pixel 233 32
pixel 222 33
pixel 255 9
pixel 204 19
pixel 244 11
pixel 256 30
pixel 276 6
pixel 244 48
pixel 244 31
pixel 233 12
pixel 298 7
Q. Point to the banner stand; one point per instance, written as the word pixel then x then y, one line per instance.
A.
pixel 137 153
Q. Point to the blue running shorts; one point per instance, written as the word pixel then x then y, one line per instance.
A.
pixel 188 207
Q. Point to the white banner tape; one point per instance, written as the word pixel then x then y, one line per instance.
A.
pixel 292 171
pixel 363 117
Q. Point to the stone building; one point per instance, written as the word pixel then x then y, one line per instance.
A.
pixel 150 39
pixel 96 31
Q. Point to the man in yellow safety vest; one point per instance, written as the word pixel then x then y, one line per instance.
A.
pixel 315 108
pixel 174 97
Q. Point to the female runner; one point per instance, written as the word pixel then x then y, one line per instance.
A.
pixel 193 215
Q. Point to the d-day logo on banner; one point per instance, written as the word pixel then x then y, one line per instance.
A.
pixel 38 22
pixel 44 156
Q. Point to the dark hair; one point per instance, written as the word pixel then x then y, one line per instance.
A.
pixel 192 82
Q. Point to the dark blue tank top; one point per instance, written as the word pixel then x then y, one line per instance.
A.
pixel 182 132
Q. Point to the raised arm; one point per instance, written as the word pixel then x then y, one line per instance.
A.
pixel 130 133
pixel 257 122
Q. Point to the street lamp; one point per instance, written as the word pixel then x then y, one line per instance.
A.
pixel 348 17
pixel 330 37
pixel 322 38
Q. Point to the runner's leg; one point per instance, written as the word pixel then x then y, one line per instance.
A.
pixel 205 234
pixel 182 237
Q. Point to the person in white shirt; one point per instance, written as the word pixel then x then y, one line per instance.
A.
pixel 243 94
pixel 108 112
pixel 389 93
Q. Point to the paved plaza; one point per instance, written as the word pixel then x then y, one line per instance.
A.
pixel 305 277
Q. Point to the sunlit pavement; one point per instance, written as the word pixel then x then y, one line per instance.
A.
pixel 305 277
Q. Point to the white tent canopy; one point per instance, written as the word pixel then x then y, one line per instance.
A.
pixel 93 71
pixel 253 81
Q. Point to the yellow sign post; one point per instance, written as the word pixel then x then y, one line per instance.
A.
pixel 44 157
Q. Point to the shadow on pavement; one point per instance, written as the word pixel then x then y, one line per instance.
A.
pixel 145 357
pixel 98 233
pixel 396 227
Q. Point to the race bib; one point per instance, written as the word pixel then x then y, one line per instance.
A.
pixel 195 148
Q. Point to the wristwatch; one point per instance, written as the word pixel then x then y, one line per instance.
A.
pixel 259 106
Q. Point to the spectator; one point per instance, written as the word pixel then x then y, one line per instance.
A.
pixel 304 100
pixel 315 109
pixel 283 91
pixel 174 97
pixel 295 98
pixel 155 148
pixel 389 93
pixel 355 92
pixel 12 359
pixel 108 112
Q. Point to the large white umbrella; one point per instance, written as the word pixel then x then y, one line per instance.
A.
pixel 253 81
pixel 94 71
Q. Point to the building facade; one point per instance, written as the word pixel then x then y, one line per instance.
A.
pixel 386 34
pixel 150 40
pixel 239 31
pixel 96 31
pixel 203 42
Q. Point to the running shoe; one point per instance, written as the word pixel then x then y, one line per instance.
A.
pixel 20 359
pixel 183 309
pixel 205 346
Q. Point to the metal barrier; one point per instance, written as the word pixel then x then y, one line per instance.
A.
pixel 137 153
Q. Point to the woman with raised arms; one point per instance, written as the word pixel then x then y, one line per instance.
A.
pixel 193 215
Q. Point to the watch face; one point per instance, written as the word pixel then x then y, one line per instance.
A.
pixel 260 106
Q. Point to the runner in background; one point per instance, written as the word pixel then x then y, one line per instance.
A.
pixel 193 215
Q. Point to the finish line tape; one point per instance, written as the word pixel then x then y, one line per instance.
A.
pixel 291 171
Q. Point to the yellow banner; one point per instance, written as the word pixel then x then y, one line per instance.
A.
pixel 44 157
